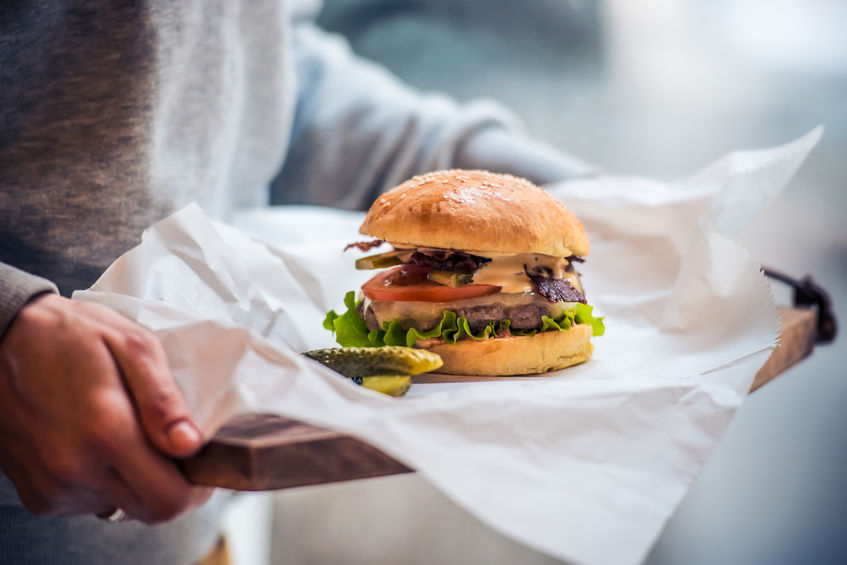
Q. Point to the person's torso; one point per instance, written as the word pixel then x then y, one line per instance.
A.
pixel 114 114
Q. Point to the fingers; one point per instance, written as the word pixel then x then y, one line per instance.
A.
pixel 90 415
pixel 159 402
pixel 160 487
pixel 75 334
pixel 144 482
pixel 132 474
pixel 63 484
pixel 143 501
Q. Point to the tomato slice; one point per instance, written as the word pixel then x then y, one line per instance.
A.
pixel 410 283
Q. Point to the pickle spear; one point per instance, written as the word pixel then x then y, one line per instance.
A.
pixel 355 362
pixel 392 385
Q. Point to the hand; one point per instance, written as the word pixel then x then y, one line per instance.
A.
pixel 89 415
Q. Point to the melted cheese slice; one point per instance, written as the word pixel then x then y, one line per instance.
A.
pixel 509 271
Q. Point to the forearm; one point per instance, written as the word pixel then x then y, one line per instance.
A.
pixel 16 289
pixel 502 150
pixel 360 131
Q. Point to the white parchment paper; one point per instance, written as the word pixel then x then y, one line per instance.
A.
pixel 563 463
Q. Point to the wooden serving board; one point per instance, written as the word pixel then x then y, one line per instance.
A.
pixel 269 452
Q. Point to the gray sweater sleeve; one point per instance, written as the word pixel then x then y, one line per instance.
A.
pixel 16 289
pixel 359 131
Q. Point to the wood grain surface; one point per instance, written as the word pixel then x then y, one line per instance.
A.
pixel 269 452
pixel 796 342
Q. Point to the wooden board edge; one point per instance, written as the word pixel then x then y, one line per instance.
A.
pixel 796 342
pixel 257 452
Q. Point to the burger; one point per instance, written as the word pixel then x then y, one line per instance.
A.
pixel 480 271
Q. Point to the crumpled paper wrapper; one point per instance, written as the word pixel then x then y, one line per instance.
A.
pixel 564 463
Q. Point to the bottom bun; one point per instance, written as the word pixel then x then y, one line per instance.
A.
pixel 514 355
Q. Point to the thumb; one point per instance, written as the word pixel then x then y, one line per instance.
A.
pixel 161 407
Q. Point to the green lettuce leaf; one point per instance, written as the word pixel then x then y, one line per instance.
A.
pixel 584 316
pixel 350 328
pixel 352 331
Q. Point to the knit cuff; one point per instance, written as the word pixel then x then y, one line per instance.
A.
pixel 16 289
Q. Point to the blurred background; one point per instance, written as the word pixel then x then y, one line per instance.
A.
pixel 656 88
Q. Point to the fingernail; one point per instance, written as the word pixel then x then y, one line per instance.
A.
pixel 184 436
